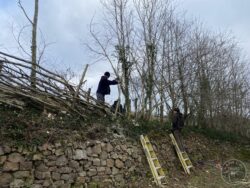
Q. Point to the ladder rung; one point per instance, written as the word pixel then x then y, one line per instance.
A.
pixel 161 177
pixel 189 167
pixel 158 167
pixel 154 159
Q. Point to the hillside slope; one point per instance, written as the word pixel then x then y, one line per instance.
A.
pixel 207 155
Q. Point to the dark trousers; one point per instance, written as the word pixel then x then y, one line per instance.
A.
pixel 100 98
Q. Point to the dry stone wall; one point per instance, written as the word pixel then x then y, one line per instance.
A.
pixel 106 163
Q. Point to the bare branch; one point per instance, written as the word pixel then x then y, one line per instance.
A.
pixel 24 11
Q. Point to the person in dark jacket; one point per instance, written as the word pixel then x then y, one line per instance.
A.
pixel 103 87
pixel 120 109
pixel 178 121
pixel 177 125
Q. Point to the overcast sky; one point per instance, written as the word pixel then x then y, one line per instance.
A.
pixel 65 23
pixel 222 15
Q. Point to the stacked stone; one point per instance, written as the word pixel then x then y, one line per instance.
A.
pixel 107 163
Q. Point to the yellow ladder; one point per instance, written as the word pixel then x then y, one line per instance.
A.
pixel 156 169
pixel 185 161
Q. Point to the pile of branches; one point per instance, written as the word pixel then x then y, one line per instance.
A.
pixel 52 92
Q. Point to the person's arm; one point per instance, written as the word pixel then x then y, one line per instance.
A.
pixel 112 82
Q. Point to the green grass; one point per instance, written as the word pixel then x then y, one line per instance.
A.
pixel 156 127
pixel 145 127
pixel 244 154
pixel 217 135
pixel 17 124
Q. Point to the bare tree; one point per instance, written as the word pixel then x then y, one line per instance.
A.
pixel 175 63
pixel 118 22
pixel 34 40
pixel 151 19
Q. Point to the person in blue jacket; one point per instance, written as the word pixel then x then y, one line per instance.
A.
pixel 103 87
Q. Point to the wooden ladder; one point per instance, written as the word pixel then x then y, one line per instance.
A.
pixel 156 169
pixel 183 156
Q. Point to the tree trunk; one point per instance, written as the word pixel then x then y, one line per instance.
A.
pixel 34 46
